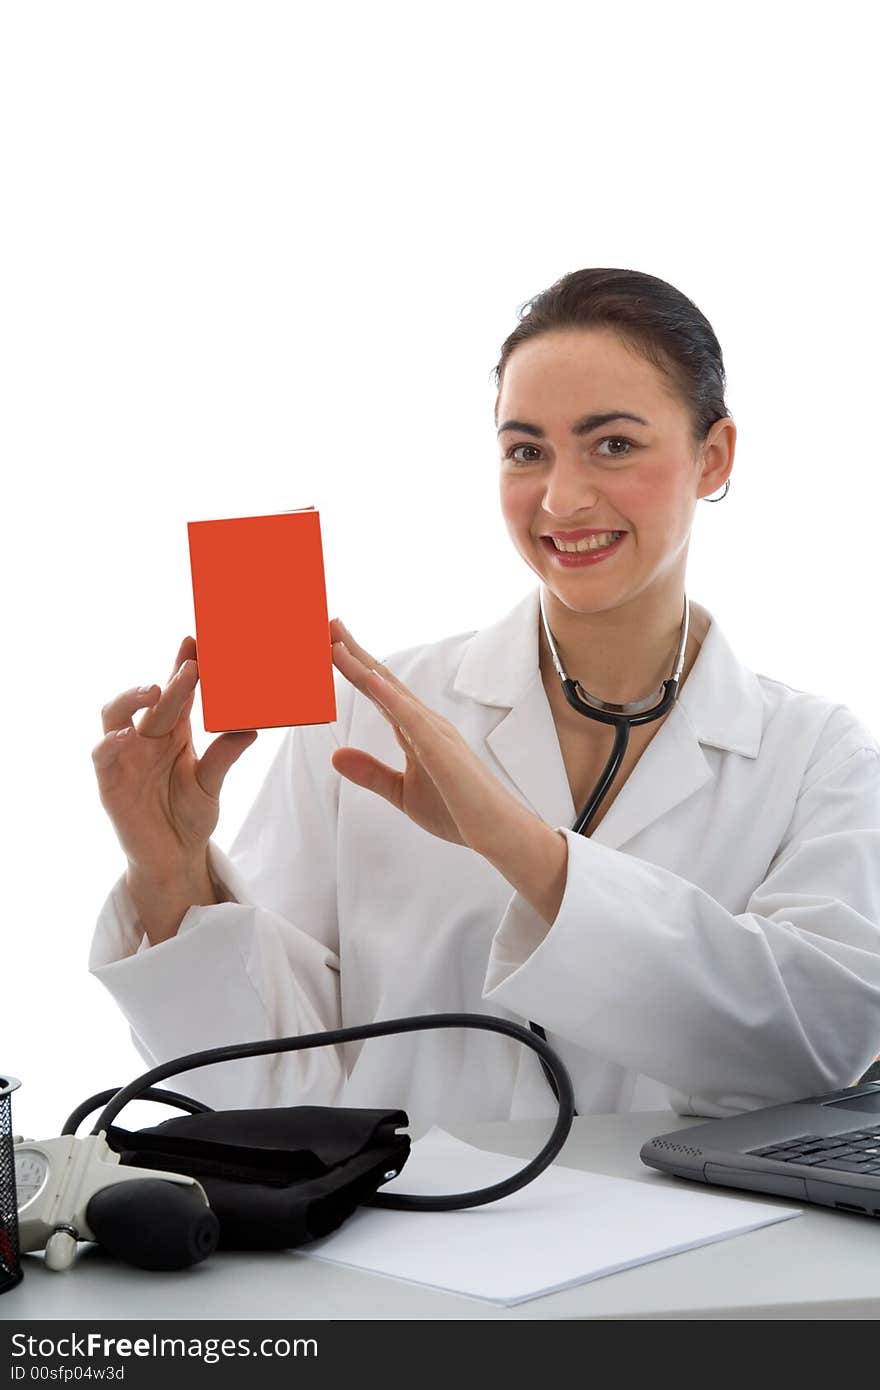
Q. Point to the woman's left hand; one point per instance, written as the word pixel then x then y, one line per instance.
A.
pixel 444 788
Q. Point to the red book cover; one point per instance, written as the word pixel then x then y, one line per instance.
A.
pixel 262 630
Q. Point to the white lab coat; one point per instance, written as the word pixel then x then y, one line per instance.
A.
pixel 717 947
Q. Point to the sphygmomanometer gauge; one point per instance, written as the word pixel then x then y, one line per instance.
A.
pixel 72 1189
pixel 31 1174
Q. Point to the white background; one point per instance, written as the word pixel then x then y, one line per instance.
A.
pixel 258 256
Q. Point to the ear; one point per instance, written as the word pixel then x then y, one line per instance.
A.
pixel 716 458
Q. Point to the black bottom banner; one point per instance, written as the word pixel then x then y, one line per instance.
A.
pixel 278 1353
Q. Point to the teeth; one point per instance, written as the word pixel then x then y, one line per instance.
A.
pixel 588 542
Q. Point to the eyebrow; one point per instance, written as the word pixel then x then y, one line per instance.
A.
pixel 582 426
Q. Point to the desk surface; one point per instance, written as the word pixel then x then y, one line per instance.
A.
pixel 822 1264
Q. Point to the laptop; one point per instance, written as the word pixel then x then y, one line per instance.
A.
pixel 825 1149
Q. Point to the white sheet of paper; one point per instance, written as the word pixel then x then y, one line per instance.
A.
pixel 566 1227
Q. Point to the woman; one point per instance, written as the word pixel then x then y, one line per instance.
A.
pixel 714 945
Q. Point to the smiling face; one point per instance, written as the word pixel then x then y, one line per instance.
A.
pixel 568 473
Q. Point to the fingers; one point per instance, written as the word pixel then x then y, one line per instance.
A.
pixel 420 727
pixel 340 633
pixel 185 652
pixel 357 665
pixel 117 714
pixel 403 739
pixel 391 697
pixel 395 700
pixel 161 718
pixel 356 670
pixel 366 771
pixel 215 762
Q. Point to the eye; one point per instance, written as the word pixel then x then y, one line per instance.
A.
pixel 619 439
pixel 608 439
pixel 512 450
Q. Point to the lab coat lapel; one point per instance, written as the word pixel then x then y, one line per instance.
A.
pixel 720 704
pixel 671 768
pixel 500 668
pixel 526 746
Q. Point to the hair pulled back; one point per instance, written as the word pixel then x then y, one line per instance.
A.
pixel 650 317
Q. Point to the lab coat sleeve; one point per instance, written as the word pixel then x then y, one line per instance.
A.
pixel 732 1011
pixel 262 964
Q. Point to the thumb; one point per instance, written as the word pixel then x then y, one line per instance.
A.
pixel 218 758
pixel 366 771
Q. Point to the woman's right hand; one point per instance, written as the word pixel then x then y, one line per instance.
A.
pixel 164 802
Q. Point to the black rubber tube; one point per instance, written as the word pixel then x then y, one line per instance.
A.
pixel 402 1201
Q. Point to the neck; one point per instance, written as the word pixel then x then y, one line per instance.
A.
pixel 622 653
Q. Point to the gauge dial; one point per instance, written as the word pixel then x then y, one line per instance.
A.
pixel 31 1174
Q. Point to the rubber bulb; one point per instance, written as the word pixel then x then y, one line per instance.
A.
pixel 153 1224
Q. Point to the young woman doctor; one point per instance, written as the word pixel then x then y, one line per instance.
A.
pixel 713 944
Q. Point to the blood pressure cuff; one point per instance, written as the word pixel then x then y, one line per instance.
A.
pixel 275 1178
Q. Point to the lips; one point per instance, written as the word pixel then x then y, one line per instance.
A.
pixel 580 559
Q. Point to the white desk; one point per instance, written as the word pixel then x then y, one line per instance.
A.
pixel 823 1264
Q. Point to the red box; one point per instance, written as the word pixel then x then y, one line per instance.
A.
pixel 262 630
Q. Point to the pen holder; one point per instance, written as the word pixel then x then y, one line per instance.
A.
pixel 10 1265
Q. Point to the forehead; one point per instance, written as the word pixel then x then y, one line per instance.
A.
pixel 574 370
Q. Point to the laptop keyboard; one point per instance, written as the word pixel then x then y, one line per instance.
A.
pixel 857 1151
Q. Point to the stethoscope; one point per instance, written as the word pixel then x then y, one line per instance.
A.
pixel 623 717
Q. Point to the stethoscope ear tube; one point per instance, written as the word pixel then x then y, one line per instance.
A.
pixel 143 1087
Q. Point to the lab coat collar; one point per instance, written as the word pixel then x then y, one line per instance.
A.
pixel 720 705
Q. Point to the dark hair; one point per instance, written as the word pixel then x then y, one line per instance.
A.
pixel 651 317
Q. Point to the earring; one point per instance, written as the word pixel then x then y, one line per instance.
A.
pixel 723 495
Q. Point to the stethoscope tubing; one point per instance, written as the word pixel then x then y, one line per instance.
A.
pixel 623 723
pixel 583 821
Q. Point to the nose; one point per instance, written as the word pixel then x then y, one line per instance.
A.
pixel 569 489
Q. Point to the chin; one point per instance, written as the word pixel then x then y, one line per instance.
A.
pixel 576 605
